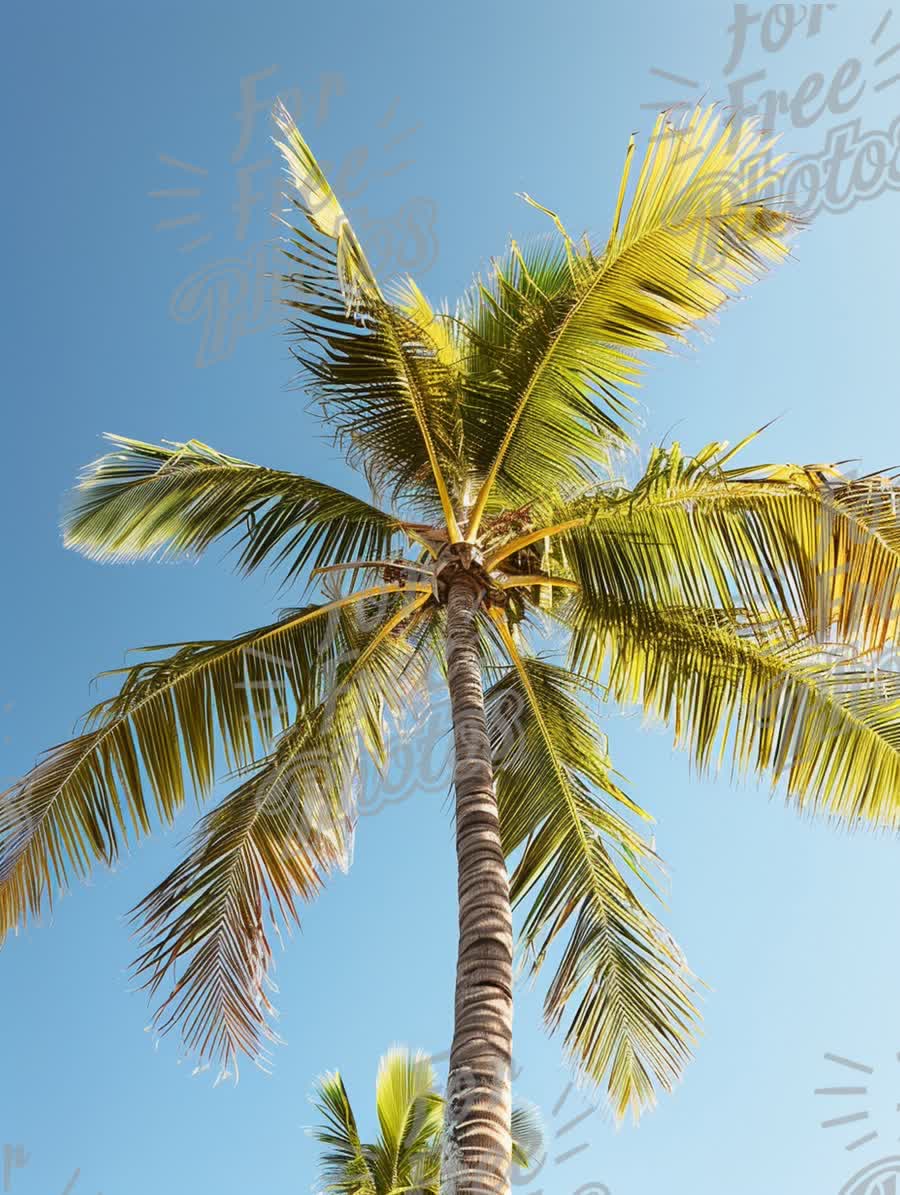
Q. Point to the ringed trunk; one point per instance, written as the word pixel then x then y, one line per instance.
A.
pixel 478 1144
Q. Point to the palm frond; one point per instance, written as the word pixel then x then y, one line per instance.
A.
pixel 80 804
pixel 323 210
pixel 344 1166
pixel 146 500
pixel 410 1117
pixel 406 1159
pixel 633 1018
pixel 558 337
pixel 564 432
pixel 442 331
pixel 378 374
pixel 817 718
pixel 269 844
pixel 849 530
pixel 822 549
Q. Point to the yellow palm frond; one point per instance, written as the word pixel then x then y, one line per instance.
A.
pixel 816 718
pixel 81 802
pixel 437 326
pixel 822 549
pixel 633 1019
pixel 560 345
pixel 410 1118
pixel 266 846
pixel 324 212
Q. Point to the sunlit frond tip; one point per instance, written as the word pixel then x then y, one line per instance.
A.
pixel 323 210
pixel 711 184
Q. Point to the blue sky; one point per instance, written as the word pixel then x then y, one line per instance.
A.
pixel 791 924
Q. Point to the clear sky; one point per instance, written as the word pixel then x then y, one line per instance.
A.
pixel 117 319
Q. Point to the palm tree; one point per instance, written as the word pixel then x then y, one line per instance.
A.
pixel 407 1155
pixel 747 607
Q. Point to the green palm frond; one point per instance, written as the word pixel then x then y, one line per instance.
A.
pixel 344 1167
pixel 695 533
pixel 81 802
pixel 269 844
pixel 632 1018
pixel 379 375
pixel 266 846
pixel 382 387
pixel 558 340
pixel 146 500
pixel 565 433
pixel 816 717
pixel 850 528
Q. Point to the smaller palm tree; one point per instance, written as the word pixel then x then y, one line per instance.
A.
pixel 406 1158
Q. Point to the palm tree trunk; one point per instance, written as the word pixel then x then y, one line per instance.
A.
pixel 478 1144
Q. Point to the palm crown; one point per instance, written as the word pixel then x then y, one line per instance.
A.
pixel 746 607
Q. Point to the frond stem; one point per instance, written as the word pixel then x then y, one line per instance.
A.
pixel 537 579
pixel 531 537
pixel 408 566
